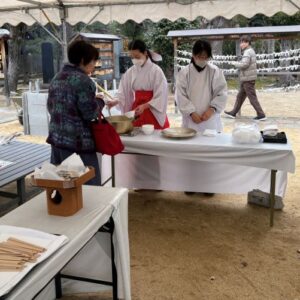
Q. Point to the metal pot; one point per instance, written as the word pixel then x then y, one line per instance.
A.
pixel 122 124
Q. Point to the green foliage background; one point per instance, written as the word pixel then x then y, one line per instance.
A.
pixel 155 34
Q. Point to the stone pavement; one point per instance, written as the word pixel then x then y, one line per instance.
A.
pixel 7 113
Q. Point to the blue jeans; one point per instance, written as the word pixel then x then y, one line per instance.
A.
pixel 89 159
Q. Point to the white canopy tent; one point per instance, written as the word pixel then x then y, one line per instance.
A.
pixel 73 11
pixel 16 11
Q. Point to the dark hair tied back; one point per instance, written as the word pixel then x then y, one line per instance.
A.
pixel 140 46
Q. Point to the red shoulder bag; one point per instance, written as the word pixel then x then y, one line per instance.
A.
pixel 107 140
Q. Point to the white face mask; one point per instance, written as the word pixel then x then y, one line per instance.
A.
pixel 138 62
pixel 201 63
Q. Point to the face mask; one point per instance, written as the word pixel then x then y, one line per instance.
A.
pixel 138 62
pixel 201 63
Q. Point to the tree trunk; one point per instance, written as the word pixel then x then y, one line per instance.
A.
pixel 14 54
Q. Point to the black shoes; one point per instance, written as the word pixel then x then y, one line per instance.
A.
pixel 232 116
pixel 204 194
pixel 229 114
pixel 260 118
pixel 190 193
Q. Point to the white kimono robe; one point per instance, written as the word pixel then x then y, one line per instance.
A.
pixel 149 77
pixel 197 91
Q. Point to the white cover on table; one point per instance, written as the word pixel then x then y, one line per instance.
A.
pixel 200 164
pixel 219 149
pixel 98 205
pixel 49 241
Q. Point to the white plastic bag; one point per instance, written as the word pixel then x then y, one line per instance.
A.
pixel 244 133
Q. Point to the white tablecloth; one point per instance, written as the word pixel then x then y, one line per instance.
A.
pixel 98 205
pixel 35 115
pixel 201 164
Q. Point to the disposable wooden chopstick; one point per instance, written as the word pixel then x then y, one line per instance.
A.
pixel 104 91
pixel 11 263
pixel 21 255
pixel 19 246
pixel 11 266
pixel 15 250
pixel 11 257
pixel 41 249
pixel 11 269
pixel 10 251
pixel 14 253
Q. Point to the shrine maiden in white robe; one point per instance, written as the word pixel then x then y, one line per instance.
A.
pixel 149 77
pixel 197 91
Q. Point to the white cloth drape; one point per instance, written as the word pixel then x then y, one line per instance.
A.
pixel 149 77
pixel 197 91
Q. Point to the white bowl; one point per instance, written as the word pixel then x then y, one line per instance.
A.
pixel 148 129
pixel 130 114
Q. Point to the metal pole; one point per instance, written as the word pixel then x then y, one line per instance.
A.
pixel 58 288
pixel 49 32
pixel 272 196
pixel 175 44
pixel 87 24
pixel 113 178
pixel 65 40
pixel 4 64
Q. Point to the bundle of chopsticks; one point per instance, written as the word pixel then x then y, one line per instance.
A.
pixel 15 253
pixel 68 175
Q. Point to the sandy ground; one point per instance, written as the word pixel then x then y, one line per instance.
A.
pixel 215 248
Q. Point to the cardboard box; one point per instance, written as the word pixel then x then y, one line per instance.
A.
pixel 64 197
pixel 258 197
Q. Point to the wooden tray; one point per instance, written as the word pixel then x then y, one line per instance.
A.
pixel 64 184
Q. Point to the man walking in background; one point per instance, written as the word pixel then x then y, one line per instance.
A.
pixel 247 76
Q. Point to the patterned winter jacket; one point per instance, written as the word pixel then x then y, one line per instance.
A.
pixel 247 65
pixel 72 105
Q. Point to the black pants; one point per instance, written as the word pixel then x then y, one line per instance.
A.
pixel 89 159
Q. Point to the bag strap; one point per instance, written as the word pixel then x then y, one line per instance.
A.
pixel 101 118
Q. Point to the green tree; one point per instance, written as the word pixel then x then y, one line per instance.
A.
pixel 156 38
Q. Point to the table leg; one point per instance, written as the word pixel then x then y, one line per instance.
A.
pixel 272 196
pixel 113 178
pixel 21 190
pixel 113 265
pixel 58 289
pixel 109 227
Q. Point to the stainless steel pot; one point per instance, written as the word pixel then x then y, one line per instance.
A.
pixel 122 124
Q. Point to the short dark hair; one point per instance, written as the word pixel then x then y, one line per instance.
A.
pixel 246 39
pixel 202 46
pixel 81 51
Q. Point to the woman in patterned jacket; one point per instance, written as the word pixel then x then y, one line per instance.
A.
pixel 72 106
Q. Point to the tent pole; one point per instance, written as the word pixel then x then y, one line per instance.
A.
pixel 49 32
pixel 175 45
pixel 65 40
pixel 4 64
pixel 63 15
pixel 87 24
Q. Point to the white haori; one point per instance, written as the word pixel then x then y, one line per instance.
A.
pixel 197 91
pixel 149 77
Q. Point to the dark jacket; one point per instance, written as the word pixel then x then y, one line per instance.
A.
pixel 72 105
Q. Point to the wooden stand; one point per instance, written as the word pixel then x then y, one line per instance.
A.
pixel 64 197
